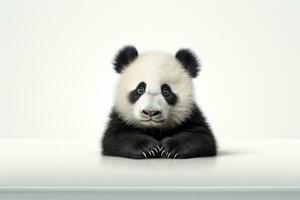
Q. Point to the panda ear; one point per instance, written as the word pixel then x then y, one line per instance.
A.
pixel 124 57
pixel 189 61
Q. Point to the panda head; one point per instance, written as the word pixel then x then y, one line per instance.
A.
pixel 155 88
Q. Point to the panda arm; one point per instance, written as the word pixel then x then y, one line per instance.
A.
pixel 130 144
pixel 122 140
pixel 193 138
pixel 188 144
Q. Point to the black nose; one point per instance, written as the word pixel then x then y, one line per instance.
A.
pixel 151 113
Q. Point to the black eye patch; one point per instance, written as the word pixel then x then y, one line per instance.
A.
pixel 135 94
pixel 170 97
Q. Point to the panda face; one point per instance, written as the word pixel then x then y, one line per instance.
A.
pixel 152 103
pixel 154 90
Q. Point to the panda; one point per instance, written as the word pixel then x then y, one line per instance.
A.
pixel 154 113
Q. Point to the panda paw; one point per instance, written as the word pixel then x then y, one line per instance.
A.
pixel 166 154
pixel 147 149
pixel 151 152
pixel 170 148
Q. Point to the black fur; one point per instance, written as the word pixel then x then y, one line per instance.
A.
pixel 189 61
pixel 124 57
pixel 171 98
pixel 193 138
pixel 134 95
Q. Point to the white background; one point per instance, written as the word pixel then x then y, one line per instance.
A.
pixel 57 81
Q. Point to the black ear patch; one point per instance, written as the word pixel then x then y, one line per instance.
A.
pixel 124 57
pixel 189 61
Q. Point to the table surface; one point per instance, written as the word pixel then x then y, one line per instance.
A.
pixel 69 164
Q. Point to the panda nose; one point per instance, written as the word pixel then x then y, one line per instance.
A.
pixel 151 113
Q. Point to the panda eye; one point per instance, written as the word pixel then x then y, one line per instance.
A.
pixel 140 90
pixel 165 92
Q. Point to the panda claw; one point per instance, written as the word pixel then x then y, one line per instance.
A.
pixel 175 155
pixel 144 155
pixel 149 152
pixel 162 153
pixel 166 154
pixel 153 153
pixel 155 149
pixel 159 148
pixel 169 155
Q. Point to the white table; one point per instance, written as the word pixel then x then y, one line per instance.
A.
pixel 74 169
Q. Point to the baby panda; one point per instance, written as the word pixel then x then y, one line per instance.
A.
pixel 154 113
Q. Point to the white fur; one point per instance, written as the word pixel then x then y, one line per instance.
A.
pixel 155 68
